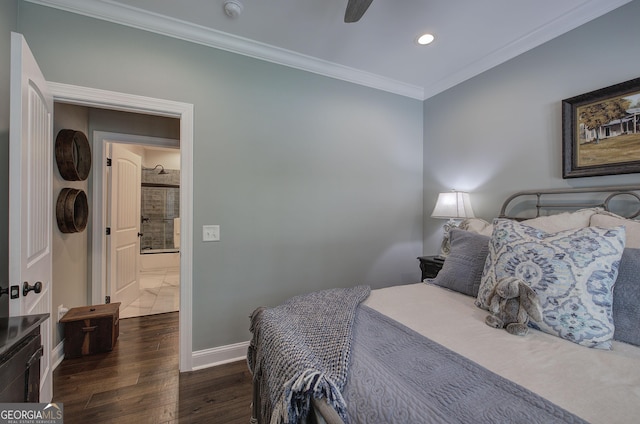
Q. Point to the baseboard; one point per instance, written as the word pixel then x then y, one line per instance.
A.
pixel 201 359
pixel 219 355
pixel 57 355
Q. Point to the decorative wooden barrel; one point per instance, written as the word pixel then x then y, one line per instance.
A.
pixel 72 210
pixel 73 155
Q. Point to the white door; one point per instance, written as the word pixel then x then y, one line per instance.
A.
pixel 123 245
pixel 30 195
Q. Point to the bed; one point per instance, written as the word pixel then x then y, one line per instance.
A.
pixel 423 353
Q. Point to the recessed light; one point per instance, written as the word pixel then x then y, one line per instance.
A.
pixel 425 39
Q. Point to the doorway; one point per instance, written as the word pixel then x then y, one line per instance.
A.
pixel 108 100
pixel 154 283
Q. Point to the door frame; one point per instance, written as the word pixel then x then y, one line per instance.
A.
pixel 103 99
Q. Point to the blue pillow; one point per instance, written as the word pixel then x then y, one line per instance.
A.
pixel 573 272
pixel 626 298
pixel 463 267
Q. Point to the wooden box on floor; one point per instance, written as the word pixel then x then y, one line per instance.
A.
pixel 90 329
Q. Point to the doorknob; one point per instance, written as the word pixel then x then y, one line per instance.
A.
pixel 4 291
pixel 140 234
pixel 26 288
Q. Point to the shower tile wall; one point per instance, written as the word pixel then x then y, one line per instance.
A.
pixel 160 205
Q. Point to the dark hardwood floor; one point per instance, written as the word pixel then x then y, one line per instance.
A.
pixel 138 382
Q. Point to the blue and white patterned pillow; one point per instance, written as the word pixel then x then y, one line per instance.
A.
pixel 573 272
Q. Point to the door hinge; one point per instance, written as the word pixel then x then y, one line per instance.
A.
pixel 108 161
pixel 108 231
pixel 107 299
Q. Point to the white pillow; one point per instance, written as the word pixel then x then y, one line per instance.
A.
pixel 563 221
pixel 548 223
pixel 477 225
pixel 609 220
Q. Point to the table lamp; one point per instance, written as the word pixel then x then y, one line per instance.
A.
pixel 454 206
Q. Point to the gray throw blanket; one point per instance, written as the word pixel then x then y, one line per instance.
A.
pixel 398 376
pixel 300 350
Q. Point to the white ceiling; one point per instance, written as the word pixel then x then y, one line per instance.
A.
pixel 378 51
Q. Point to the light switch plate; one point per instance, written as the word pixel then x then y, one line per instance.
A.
pixel 210 233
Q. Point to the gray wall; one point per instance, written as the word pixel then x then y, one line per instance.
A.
pixel 69 255
pixel 315 182
pixel 133 123
pixel 501 131
pixel 8 23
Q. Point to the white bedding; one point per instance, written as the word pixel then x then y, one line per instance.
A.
pixel 599 386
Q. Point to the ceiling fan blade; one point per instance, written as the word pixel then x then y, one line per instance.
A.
pixel 355 10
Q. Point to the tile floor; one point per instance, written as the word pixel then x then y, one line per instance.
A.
pixel 159 292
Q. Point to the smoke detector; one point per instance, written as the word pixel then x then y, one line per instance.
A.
pixel 233 8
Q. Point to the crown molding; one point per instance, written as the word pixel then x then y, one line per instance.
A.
pixel 141 19
pixel 563 24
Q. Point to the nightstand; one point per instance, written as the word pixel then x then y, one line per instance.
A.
pixel 430 266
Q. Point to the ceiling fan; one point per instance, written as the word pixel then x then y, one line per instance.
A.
pixel 355 10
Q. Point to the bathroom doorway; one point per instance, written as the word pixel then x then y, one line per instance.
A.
pixel 154 286
pixel 160 234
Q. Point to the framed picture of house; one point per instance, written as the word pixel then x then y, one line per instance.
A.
pixel 601 131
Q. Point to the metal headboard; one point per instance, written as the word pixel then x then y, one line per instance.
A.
pixel 588 197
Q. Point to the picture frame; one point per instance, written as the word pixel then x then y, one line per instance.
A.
pixel 601 131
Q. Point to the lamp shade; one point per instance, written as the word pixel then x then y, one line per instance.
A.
pixel 454 204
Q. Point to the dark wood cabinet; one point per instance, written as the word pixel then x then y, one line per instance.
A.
pixel 430 266
pixel 20 353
